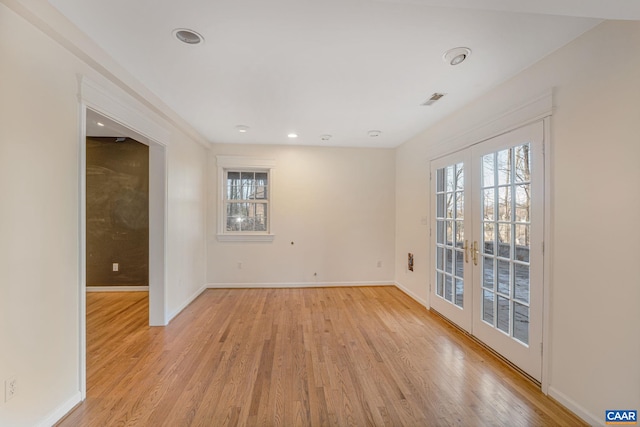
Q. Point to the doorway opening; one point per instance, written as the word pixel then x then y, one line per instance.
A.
pixel 156 206
pixel 96 123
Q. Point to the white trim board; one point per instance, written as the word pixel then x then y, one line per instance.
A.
pixel 412 295
pixel 402 288
pixel 178 310
pixel 547 258
pixel 61 411
pixel 578 410
pixel 512 118
pixel 117 289
pixel 297 285
pixel 123 109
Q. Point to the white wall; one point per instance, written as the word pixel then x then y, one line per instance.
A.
pixel 335 204
pixel 39 222
pixel 187 222
pixel 595 207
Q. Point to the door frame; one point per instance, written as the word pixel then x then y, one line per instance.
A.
pixel 137 121
pixel 539 108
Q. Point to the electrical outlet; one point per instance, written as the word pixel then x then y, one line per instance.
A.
pixel 10 388
pixel 115 266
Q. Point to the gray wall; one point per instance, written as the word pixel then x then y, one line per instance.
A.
pixel 117 212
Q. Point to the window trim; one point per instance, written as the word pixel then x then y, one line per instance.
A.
pixel 252 164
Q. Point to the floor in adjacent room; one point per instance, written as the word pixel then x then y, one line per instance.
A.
pixel 297 357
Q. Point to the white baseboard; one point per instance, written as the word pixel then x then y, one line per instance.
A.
pixel 61 411
pixel 578 410
pixel 117 289
pixel 411 294
pixel 296 285
pixel 177 311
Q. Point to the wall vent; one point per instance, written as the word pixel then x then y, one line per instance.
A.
pixel 434 98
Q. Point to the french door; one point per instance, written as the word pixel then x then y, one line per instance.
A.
pixel 486 236
pixel 451 235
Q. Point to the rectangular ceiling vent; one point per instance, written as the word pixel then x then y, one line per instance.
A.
pixel 434 98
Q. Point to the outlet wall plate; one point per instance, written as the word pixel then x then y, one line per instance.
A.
pixel 10 388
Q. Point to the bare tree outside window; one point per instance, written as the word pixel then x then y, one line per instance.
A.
pixel 246 201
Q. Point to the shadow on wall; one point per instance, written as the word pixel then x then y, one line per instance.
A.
pixel 117 212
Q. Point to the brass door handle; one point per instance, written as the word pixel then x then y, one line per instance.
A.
pixel 475 252
pixel 466 251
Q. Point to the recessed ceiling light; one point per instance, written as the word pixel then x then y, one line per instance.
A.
pixel 293 135
pixel 456 56
pixel 325 137
pixel 100 124
pixel 374 133
pixel 188 36
pixel 242 128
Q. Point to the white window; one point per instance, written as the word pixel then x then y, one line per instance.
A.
pixel 244 198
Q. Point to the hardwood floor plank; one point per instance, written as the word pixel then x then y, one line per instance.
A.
pixel 368 356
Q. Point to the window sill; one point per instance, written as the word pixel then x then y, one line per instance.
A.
pixel 246 237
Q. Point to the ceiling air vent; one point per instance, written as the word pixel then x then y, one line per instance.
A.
pixel 434 98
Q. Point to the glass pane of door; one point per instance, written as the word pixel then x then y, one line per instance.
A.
pixel 506 205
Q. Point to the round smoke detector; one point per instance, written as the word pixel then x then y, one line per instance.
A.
pixel 456 56
pixel 188 36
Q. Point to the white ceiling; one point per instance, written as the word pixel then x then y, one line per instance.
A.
pixel 339 67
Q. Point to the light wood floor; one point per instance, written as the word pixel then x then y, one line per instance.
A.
pixel 296 357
